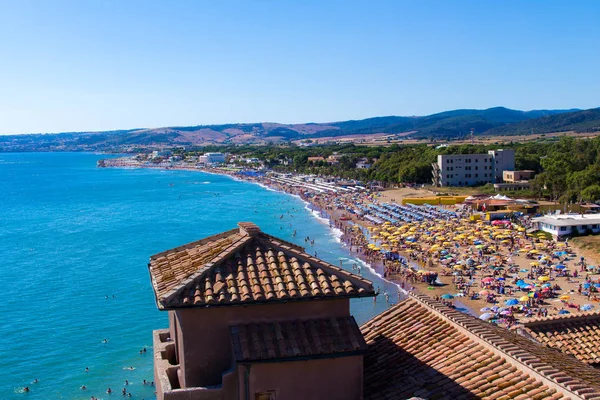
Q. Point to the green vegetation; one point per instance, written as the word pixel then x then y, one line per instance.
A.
pixel 568 170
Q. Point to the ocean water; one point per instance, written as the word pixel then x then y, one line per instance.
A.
pixel 75 242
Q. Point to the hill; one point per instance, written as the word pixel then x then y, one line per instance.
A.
pixel 445 125
pixel 577 121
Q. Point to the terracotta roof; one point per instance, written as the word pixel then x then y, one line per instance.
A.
pixel 245 266
pixel 574 334
pixel 422 348
pixel 294 339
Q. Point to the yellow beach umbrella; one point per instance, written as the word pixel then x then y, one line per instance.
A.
pixel 524 298
pixel 544 278
pixel 565 297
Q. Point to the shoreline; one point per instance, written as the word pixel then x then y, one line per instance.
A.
pixel 342 232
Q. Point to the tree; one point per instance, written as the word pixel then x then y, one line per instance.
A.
pixel 591 193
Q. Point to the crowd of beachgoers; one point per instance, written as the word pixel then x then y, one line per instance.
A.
pixel 494 269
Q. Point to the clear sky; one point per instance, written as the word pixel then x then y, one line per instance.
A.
pixel 116 64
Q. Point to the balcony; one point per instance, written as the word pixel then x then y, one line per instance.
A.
pixel 166 377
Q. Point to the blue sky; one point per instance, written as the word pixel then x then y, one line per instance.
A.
pixel 116 64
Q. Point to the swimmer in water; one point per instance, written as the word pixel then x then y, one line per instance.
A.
pixel 109 390
pixel 26 389
pixel 83 387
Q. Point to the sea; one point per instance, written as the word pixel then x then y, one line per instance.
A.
pixel 75 242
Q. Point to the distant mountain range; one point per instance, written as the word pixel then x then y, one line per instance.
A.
pixel 444 125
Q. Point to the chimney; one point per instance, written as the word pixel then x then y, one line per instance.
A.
pixel 248 228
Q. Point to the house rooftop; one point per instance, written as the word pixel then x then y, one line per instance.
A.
pixel 569 219
pixel 575 334
pixel 247 266
pixel 289 340
pixel 422 348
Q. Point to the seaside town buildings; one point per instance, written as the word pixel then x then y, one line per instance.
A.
pixel 472 169
pixel 254 317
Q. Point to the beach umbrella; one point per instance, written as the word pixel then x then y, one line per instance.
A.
pixel 511 302
pixel 544 278
pixel 534 295
pixel 565 297
pixel 587 285
pixel 486 316
pixel 524 298
pixel 560 266
pixel 586 307
pixel 564 312
pixel 487 280
pixel 495 308
pixel 485 309
pixel 447 296
pixel 506 312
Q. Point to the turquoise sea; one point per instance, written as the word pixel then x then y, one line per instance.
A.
pixel 75 242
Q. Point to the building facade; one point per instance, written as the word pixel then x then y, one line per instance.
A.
pixel 248 315
pixel 509 176
pixel 563 225
pixel 212 158
pixel 472 169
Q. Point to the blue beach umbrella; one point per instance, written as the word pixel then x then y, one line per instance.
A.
pixel 586 285
pixel 564 312
pixel 586 307
pixel 447 296
pixel 560 266
pixel 486 316
pixel 511 302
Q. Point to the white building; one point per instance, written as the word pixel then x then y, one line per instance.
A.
pixel 566 224
pixel 212 158
pixel 363 163
pixel 472 169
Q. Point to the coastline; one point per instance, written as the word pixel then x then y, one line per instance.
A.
pixel 341 229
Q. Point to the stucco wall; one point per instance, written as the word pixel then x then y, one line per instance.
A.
pixel 331 379
pixel 203 338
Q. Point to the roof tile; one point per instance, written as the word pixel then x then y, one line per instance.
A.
pixel 246 266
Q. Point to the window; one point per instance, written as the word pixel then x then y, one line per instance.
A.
pixel 594 226
pixel 476 168
pixel 563 228
pixel 266 395
pixel 476 175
